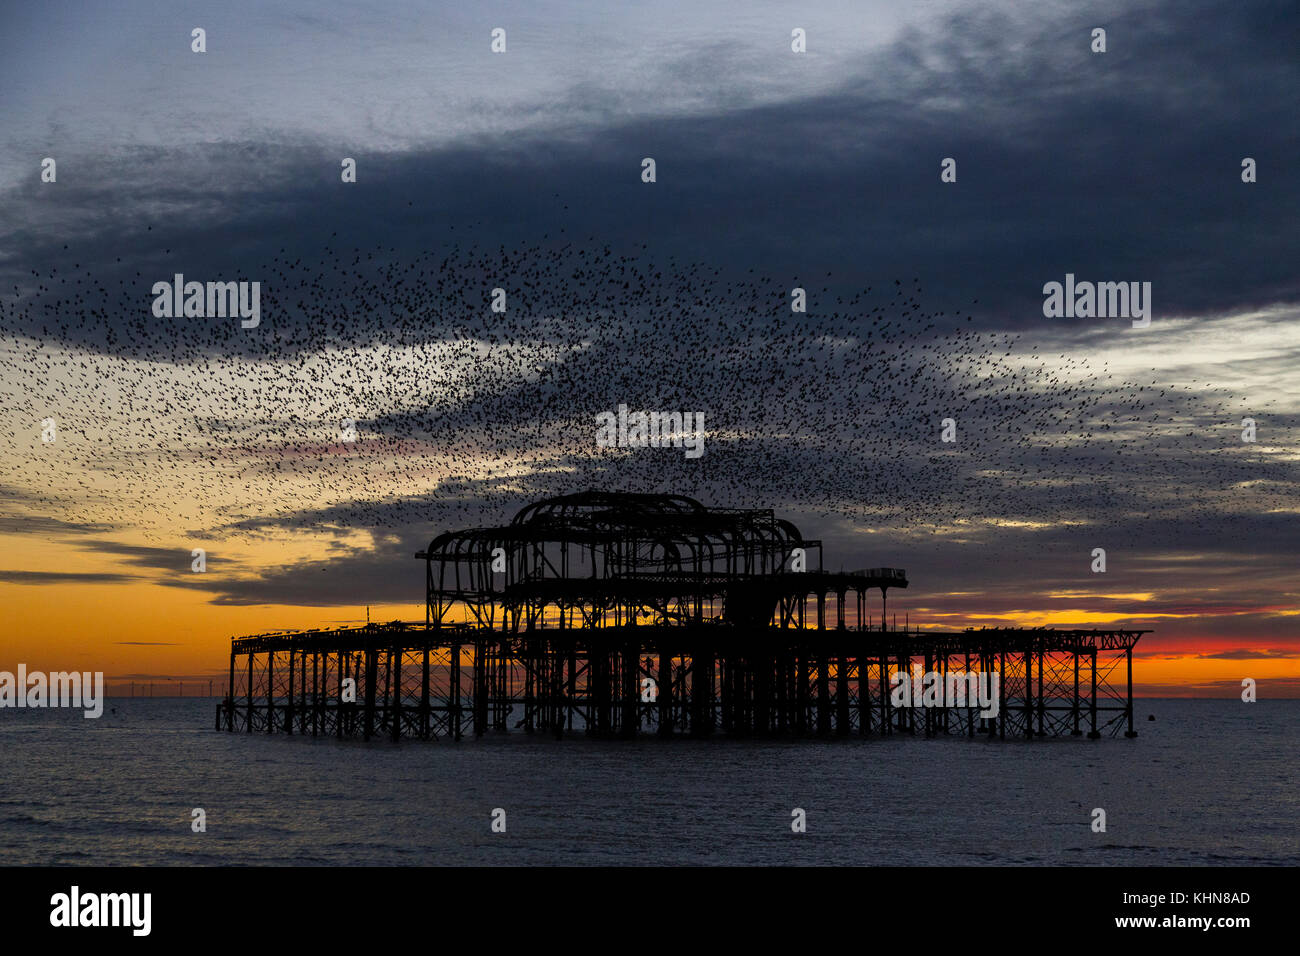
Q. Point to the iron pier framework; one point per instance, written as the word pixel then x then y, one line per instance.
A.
pixel 624 614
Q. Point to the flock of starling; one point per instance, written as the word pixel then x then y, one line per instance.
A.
pixel 382 392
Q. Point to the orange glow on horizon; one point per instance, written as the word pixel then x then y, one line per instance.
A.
pixel 137 628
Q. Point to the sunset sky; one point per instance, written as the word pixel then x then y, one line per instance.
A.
pixel 817 169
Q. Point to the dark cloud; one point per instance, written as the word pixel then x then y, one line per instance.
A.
pixel 1112 166
pixel 147 556
pixel 386 575
pixel 46 526
pixel 63 577
pixel 24 522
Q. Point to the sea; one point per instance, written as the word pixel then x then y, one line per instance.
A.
pixel 1207 782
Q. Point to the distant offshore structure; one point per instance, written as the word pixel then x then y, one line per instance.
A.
pixel 620 614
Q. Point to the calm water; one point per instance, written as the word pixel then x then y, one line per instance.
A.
pixel 1210 782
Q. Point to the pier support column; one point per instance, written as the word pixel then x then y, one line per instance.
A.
pixel 1074 706
pixel 248 693
pixel 288 714
pixel 270 692
pixel 424 694
pixel 823 695
pixel 530 684
pixel 1128 661
pixel 601 670
pixel 726 694
pixel 1093 734
pixel 1002 697
pixel 395 678
pixel 230 697
pixel 480 684
pixel 453 694
pixel 842 715
pixel 372 667
pixel 930 715
pixel 555 674
pixel 631 721
pixel 341 664
pixel 864 695
pixel 315 693
pixel 801 691
pixel 1029 693
pixel 665 698
pixel 702 699
pixel 1042 652
pixel 886 716
pixel 970 711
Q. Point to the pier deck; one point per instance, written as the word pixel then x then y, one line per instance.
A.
pixel 424 681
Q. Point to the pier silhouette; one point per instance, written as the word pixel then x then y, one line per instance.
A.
pixel 618 614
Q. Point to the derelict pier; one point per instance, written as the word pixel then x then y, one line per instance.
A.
pixel 623 614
